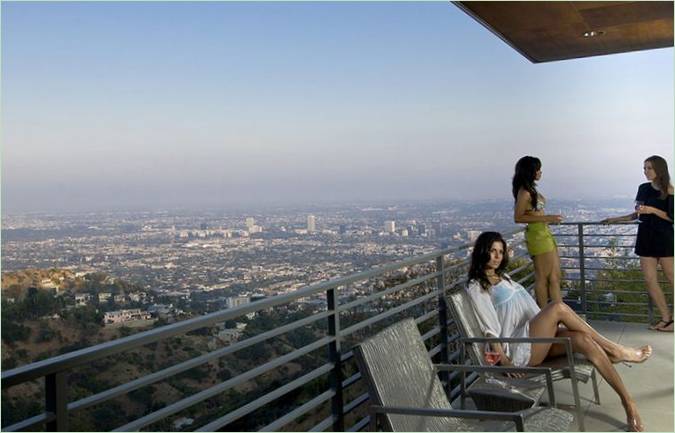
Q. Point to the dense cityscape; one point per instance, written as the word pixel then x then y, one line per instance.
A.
pixel 183 253
pixel 74 280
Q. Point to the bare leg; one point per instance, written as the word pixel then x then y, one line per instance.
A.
pixel 582 342
pixel 543 267
pixel 554 278
pixel 667 266
pixel 648 265
pixel 547 320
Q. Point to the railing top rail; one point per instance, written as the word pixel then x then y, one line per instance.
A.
pixel 594 223
pixel 69 360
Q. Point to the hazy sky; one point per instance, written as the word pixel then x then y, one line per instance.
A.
pixel 115 105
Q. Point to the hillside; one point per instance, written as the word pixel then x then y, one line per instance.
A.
pixel 16 283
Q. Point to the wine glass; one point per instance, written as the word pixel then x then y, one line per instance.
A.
pixel 491 357
pixel 638 203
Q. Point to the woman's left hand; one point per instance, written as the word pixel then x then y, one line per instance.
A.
pixel 644 210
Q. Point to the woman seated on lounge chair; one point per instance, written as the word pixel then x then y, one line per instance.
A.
pixel 505 309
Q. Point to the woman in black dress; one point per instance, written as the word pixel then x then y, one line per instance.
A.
pixel 654 242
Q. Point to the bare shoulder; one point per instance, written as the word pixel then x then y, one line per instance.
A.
pixel 524 194
pixel 670 189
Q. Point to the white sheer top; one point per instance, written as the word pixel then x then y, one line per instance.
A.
pixel 505 310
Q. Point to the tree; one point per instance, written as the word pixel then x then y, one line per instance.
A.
pixel 12 331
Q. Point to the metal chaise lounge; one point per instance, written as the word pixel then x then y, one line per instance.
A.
pixel 561 368
pixel 407 395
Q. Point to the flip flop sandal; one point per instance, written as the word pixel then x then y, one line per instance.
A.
pixel 663 328
pixel 660 324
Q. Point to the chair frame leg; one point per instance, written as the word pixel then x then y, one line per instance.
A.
pixel 577 401
pixel 594 378
pixel 372 425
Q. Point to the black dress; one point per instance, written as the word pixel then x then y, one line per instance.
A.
pixel 655 235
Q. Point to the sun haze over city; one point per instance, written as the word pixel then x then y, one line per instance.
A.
pixel 149 105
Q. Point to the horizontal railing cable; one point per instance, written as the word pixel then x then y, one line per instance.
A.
pixel 323 425
pixel 269 397
pixel 191 363
pixel 351 380
pixel 390 312
pixel 358 401
pixel 28 423
pixel 223 386
pixel 360 425
pixel 297 412
pixel 382 293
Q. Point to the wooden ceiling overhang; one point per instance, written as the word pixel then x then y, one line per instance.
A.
pixel 545 31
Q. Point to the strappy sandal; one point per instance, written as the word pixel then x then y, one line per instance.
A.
pixel 660 325
pixel 663 328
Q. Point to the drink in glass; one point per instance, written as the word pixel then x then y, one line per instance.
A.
pixel 491 357
pixel 638 203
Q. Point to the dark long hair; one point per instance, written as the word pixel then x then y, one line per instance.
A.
pixel 481 256
pixel 662 180
pixel 526 171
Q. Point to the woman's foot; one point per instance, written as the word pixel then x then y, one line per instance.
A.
pixel 662 325
pixel 635 423
pixel 633 418
pixel 636 356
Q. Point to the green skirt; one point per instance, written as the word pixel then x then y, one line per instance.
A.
pixel 539 239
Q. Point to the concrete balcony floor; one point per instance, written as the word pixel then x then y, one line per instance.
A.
pixel 650 384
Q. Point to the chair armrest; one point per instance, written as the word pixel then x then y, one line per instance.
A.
pixel 495 369
pixel 514 417
pixel 528 370
pixel 561 340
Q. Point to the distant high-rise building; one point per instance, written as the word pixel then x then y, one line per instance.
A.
pixel 422 229
pixel 389 226
pixel 250 222
pixel 203 226
pixel 343 229
pixel 436 226
pixel 311 223
pixel 404 233
pixel 235 301
pixel 411 230
pixel 472 235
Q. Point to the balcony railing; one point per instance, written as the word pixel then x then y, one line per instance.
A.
pixel 386 294
pixel 602 273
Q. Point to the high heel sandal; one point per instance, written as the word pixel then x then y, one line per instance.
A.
pixel 661 324
pixel 665 325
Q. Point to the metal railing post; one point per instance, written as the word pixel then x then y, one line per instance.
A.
pixel 582 267
pixel 56 394
pixel 334 356
pixel 443 320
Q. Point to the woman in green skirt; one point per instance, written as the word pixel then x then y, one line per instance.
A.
pixel 541 245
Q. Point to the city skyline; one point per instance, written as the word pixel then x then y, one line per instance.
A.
pixel 137 105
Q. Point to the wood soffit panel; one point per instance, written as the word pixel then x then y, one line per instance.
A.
pixel 545 31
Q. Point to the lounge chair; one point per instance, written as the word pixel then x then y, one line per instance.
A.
pixel 407 395
pixel 461 310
